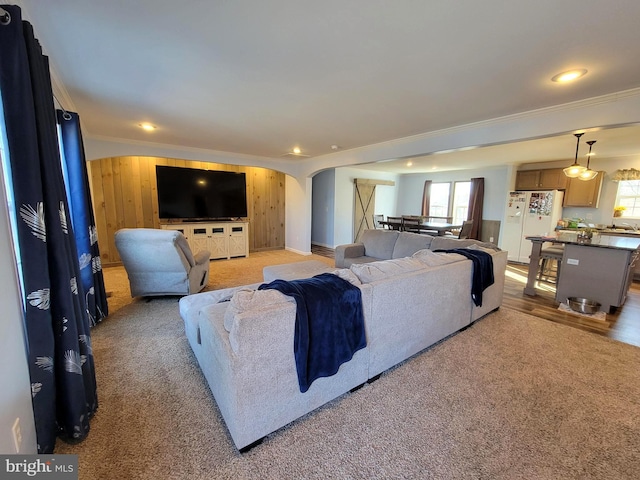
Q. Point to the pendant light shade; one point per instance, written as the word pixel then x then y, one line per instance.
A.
pixel 574 171
pixel 588 174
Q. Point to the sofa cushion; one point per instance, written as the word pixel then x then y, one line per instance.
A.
pixel 370 272
pixel 245 300
pixel 379 243
pixel 352 261
pixel 433 259
pixel 409 243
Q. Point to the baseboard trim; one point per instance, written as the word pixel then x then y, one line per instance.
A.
pixel 299 252
pixel 323 245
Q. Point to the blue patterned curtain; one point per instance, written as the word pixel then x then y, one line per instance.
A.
pixel 84 226
pixel 56 323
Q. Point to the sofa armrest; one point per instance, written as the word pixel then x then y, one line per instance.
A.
pixel 192 304
pixel 351 250
pixel 202 256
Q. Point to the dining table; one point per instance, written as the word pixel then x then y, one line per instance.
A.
pixel 438 228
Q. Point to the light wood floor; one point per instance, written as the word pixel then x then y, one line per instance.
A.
pixel 622 325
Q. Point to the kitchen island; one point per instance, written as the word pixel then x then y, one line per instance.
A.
pixel 600 270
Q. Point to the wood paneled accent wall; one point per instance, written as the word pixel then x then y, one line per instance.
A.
pixel 125 195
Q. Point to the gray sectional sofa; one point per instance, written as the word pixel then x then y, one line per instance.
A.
pixel 386 244
pixel 243 338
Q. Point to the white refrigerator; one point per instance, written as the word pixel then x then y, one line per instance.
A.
pixel 529 214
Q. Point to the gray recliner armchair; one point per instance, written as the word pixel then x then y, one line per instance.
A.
pixel 160 262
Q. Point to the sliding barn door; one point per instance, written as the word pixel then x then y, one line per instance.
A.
pixel 365 202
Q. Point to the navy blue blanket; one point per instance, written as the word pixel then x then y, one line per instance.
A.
pixel 482 276
pixel 329 324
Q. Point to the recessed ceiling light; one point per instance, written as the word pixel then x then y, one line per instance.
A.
pixel 296 152
pixel 569 75
pixel 409 163
pixel 147 127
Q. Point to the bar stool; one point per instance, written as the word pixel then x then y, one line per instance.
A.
pixel 549 257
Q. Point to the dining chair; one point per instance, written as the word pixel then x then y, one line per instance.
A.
pixel 395 223
pixel 465 231
pixel 376 221
pixel 410 224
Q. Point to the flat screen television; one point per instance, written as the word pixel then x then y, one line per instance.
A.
pixel 194 194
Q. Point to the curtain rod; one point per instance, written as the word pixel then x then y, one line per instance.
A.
pixel 5 17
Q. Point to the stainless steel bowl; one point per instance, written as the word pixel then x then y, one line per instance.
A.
pixel 583 305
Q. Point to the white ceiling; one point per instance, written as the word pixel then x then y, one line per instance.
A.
pixel 259 77
pixel 621 141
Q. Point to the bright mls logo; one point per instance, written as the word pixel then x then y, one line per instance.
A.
pixel 52 467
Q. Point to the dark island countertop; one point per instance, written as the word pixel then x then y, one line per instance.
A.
pixel 601 241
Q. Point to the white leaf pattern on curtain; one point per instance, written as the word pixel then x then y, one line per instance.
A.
pixel 96 264
pixel 74 285
pixel 35 389
pixel 46 363
pixel 40 298
pixel 63 219
pixel 84 260
pixel 73 362
pixel 93 234
pixel 86 339
pixel 35 219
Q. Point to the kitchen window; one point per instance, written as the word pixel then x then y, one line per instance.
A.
pixel 629 197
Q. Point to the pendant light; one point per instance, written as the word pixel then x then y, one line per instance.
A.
pixel 573 171
pixel 588 174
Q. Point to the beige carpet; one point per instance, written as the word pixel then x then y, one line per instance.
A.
pixel 512 397
pixel 222 273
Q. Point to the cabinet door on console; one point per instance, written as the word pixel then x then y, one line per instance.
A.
pixel 186 230
pixel 219 241
pixel 238 239
pixel 199 239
